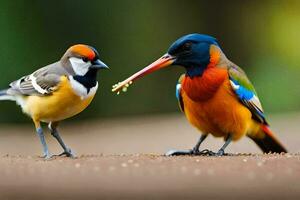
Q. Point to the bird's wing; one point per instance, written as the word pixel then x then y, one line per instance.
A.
pixel 178 93
pixel 41 82
pixel 246 93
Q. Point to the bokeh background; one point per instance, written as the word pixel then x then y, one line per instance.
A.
pixel 260 36
pixel 263 37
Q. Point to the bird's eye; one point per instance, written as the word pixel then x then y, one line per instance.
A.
pixel 84 59
pixel 187 46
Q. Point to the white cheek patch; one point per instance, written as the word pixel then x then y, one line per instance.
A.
pixel 79 66
pixel 82 91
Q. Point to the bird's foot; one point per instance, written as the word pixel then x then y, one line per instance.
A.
pixel 191 152
pixel 68 153
pixel 211 153
pixel 47 156
pixel 196 152
pixel 221 152
pixel 207 152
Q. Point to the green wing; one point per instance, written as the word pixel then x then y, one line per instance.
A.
pixel 246 93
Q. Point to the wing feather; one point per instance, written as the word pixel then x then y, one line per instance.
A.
pixel 178 93
pixel 246 93
pixel 41 82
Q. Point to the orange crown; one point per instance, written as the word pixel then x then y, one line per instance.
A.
pixel 83 50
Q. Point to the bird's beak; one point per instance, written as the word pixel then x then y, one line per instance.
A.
pixel 164 61
pixel 98 64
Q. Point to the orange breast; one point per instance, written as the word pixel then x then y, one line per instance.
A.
pixel 211 105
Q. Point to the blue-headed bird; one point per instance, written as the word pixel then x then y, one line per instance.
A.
pixel 58 91
pixel 215 95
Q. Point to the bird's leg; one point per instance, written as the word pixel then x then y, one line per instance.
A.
pixel 40 133
pixel 194 151
pixel 53 129
pixel 221 151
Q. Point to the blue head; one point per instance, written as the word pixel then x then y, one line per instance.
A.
pixel 192 52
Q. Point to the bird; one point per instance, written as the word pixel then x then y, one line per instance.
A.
pixel 215 95
pixel 58 91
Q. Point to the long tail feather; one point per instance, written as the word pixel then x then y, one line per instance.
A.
pixel 5 96
pixel 269 143
pixel 3 92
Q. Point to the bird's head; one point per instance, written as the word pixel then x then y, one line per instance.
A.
pixel 194 52
pixel 83 58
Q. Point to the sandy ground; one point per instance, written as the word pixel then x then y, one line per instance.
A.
pixel 122 159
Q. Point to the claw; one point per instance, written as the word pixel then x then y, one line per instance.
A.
pixel 47 156
pixel 68 153
pixel 220 153
pixel 192 152
pixel 195 152
pixel 211 153
pixel 207 152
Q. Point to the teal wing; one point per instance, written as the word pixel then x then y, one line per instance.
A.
pixel 246 93
pixel 178 93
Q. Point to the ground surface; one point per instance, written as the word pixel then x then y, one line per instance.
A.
pixel 121 159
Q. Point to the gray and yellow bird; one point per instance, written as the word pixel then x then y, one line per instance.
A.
pixel 58 91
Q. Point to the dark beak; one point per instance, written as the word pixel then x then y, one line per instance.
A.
pixel 98 64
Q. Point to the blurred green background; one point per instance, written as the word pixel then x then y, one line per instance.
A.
pixel 260 36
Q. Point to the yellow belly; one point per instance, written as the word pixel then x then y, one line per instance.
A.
pixel 221 115
pixel 61 104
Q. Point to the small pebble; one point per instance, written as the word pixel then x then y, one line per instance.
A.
pixel 77 165
pixel 124 164
pixel 130 161
pixel 288 155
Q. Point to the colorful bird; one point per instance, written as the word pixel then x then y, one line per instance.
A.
pixel 58 91
pixel 215 95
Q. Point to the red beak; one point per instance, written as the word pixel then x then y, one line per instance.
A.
pixel 162 62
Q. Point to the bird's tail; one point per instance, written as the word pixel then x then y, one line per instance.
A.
pixel 269 143
pixel 5 96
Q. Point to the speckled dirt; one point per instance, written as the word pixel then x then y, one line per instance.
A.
pixel 115 163
pixel 151 177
